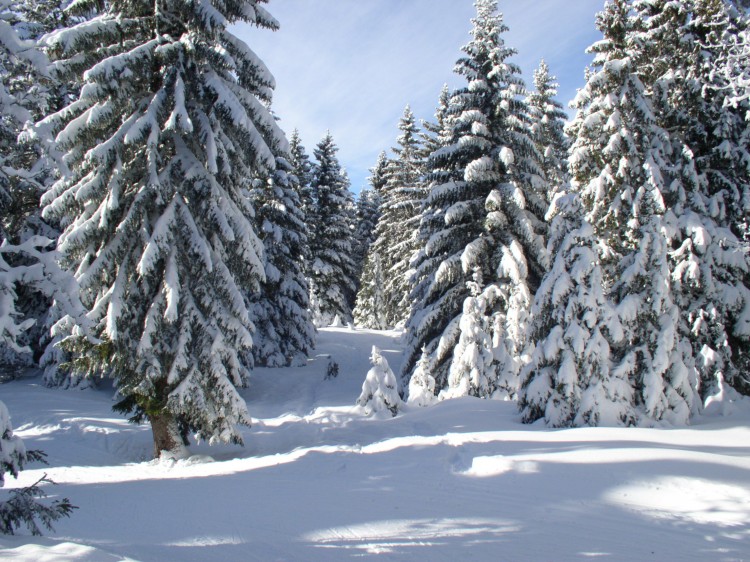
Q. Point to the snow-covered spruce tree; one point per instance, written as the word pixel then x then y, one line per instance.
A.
pixel 23 97
pixel 720 26
pixel 380 389
pixel 472 370
pixel 302 168
pixel 722 149
pixel 368 212
pixel 369 311
pixel 43 93
pixel 13 117
pixel 22 508
pixel 570 380
pixel 422 384
pixel 30 279
pixel 378 174
pixel 621 165
pixel 25 170
pixel 432 135
pixel 284 334
pixel 686 44
pixel 333 280
pixel 425 263
pixel 169 129
pixel 350 217
pixel 33 266
pixel 487 214
pixel 408 188
pixel 395 234
pixel 548 127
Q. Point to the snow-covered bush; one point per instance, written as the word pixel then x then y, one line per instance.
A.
pixel 422 384
pixel 380 389
pixel 22 507
pixel 472 370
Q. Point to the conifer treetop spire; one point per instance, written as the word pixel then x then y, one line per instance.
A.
pixel 487 50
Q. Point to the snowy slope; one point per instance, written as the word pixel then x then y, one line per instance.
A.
pixel 317 480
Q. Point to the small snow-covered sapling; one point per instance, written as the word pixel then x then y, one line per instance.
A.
pixel 380 389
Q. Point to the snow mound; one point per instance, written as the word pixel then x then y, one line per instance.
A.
pixel 45 550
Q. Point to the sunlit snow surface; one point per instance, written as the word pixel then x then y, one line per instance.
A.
pixel 320 481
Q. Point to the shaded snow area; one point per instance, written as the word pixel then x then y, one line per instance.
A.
pixel 318 480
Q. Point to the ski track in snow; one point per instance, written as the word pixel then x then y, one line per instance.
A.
pixel 320 481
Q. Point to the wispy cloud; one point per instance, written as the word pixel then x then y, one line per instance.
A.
pixel 351 66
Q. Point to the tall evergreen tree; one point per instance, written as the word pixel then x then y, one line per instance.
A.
pixel 302 170
pixel 401 202
pixel 378 174
pixel 571 380
pixel 621 163
pixel 368 214
pixel 685 45
pixel 487 214
pixel 170 126
pixel 333 280
pixel 433 131
pixel 26 93
pixel 548 127
pixel 370 308
pixel 17 193
pixel 425 263
pixel 350 219
pixel 285 334
pixel 23 97
pixel 368 211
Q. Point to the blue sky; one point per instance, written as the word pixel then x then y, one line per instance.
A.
pixel 351 66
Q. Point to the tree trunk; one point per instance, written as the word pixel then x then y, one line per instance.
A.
pixel 164 429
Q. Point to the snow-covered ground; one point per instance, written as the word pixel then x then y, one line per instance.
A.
pixel 318 480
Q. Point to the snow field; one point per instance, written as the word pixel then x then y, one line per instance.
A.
pixel 318 480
